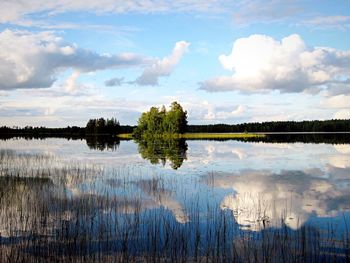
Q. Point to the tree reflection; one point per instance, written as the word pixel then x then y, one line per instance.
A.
pixel 162 150
pixel 102 143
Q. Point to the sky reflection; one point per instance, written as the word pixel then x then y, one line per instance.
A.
pixel 259 182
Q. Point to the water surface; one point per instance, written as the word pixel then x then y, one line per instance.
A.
pixel 60 190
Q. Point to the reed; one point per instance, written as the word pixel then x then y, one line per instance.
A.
pixel 199 136
pixel 126 136
pixel 220 135
pixel 57 211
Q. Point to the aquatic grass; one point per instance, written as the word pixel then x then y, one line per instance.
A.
pixel 220 135
pixel 127 136
pixel 198 136
pixel 47 214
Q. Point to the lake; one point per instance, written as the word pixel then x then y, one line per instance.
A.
pixel 281 199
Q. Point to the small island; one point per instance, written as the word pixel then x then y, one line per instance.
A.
pixel 160 123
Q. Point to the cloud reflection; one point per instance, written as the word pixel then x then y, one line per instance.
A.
pixel 263 199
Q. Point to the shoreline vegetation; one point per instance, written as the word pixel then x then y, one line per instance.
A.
pixel 189 136
pixel 161 123
pixel 172 123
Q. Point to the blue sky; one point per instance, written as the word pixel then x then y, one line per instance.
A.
pixel 64 62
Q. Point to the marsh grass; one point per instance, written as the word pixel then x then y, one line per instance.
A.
pixel 199 136
pixel 54 211
pixel 127 136
pixel 220 135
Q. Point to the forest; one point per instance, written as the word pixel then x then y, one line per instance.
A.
pixel 160 122
pixel 276 126
pixel 93 127
pixel 102 126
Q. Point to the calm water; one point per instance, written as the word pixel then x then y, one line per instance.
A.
pixel 143 201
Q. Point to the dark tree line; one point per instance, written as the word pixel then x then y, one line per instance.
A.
pixel 276 126
pixel 158 121
pixel 314 138
pixel 93 127
pixel 36 132
pixel 102 126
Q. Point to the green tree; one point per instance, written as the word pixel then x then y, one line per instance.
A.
pixel 157 122
pixel 112 126
pixel 102 126
pixel 176 119
pixel 142 125
pixel 90 126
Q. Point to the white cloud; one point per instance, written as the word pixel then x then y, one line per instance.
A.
pixel 164 66
pixel 243 12
pixel 19 11
pixel 254 11
pixel 3 93
pixel 71 82
pixel 339 101
pixel 224 113
pixel 202 111
pixel 56 108
pixel 261 63
pixel 329 22
pixel 33 60
pixel 342 114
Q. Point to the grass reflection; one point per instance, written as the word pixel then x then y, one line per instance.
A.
pixel 64 211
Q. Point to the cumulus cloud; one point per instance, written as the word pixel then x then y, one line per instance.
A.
pixel 261 63
pixel 33 60
pixel 213 112
pixel 164 66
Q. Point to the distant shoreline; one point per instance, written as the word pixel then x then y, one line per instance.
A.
pixel 201 135
pixel 278 137
pixel 267 133
pixel 228 135
pixel 198 131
